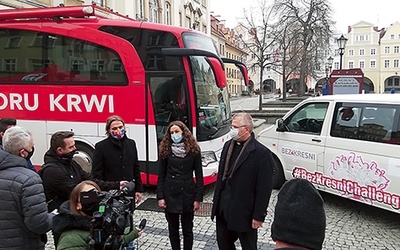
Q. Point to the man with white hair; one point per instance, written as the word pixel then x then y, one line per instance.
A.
pixel 24 219
pixel 243 187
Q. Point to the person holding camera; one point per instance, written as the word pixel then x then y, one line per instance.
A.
pixel 177 192
pixel 115 158
pixel 71 226
pixel 61 173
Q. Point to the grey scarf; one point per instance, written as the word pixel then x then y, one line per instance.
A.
pixel 178 149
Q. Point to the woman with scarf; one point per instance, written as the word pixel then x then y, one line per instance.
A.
pixel 116 159
pixel 177 191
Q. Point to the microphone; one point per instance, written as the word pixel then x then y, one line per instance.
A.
pixel 142 224
pixel 128 188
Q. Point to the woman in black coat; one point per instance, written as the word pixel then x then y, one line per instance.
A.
pixel 177 192
pixel 115 158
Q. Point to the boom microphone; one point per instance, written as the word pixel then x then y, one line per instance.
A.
pixel 142 224
pixel 128 188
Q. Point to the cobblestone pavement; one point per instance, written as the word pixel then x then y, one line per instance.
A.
pixel 350 225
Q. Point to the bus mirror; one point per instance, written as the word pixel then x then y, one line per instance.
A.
pixel 242 68
pixel 245 74
pixel 214 60
pixel 191 52
pixel 218 71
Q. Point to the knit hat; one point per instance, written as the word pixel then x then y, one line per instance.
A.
pixel 299 215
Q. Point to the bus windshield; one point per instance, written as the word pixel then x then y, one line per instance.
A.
pixel 213 108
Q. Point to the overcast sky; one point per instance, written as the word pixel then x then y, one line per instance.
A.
pixel 381 13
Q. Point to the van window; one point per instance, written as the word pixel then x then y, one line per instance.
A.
pixel 366 122
pixel 307 119
pixel 30 56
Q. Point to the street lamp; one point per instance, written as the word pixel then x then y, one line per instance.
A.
pixel 341 43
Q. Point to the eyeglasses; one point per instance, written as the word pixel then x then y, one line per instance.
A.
pixel 236 127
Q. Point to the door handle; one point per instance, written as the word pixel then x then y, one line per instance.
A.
pixel 316 140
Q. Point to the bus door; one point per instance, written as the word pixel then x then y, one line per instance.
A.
pixel 167 100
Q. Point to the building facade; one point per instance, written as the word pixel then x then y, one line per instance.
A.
pixel 376 52
pixel 192 14
pixel 229 46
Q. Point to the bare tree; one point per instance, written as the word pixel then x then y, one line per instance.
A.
pixel 288 50
pixel 313 17
pixel 258 40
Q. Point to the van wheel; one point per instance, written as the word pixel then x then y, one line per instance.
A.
pixel 84 156
pixel 278 177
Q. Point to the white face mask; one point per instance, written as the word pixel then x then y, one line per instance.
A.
pixel 234 133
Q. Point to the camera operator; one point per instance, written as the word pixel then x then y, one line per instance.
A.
pixel 72 225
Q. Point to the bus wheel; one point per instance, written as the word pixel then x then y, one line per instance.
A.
pixel 278 176
pixel 84 156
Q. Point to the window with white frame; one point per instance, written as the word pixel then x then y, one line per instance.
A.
pixel 362 38
pixel 336 65
pixel 387 49
pixel 167 13
pixel 188 22
pixel 392 37
pixel 154 11
pixel 99 3
pixel 40 40
pixel 10 64
pixel 351 65
pixel 141 9
pixel 396 63
pixel 97 65
pixel 396 49
pixel 36 64
pixel 362 52
pixel 386 64
pixel 14 42
pixel 373 64
pixel 373 51
pixel 362 64
pixel 351 52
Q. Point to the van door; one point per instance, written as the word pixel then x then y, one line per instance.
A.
pixel 301 145
pixel 361 157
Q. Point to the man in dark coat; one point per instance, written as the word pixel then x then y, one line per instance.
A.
pixel 243 187
pixel 24 219
pixel 60 173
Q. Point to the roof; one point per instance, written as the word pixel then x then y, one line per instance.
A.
pixel 381 98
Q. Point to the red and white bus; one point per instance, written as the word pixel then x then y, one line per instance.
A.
pixel 69 68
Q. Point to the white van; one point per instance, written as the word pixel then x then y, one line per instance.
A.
pixel 348 145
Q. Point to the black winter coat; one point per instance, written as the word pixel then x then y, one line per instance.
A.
pixel 176 184
pixel 61 175
pixel 251 186
pixel 117 160
pixel 24 219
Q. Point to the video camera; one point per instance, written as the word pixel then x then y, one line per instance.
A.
pixel 114 214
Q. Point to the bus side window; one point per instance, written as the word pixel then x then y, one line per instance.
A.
pixel 57 59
